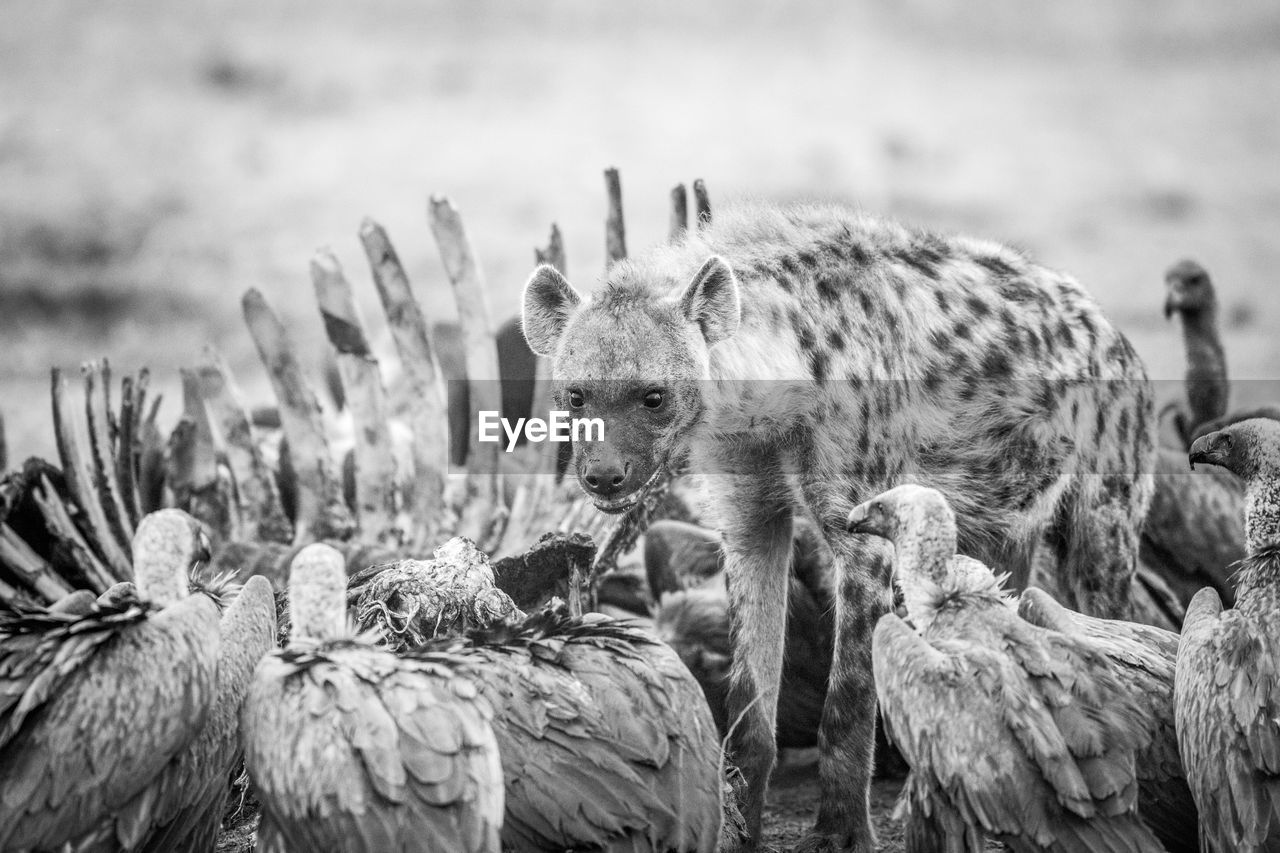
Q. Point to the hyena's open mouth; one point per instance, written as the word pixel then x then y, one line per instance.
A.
pixel 624 503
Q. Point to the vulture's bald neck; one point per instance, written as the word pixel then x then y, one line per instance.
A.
pixel 1262 505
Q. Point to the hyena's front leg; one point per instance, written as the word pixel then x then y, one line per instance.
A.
pixel 846 737
pixel 756 525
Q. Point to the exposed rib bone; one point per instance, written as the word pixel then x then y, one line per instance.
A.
pixel 321 513
pixel 424 394
pixel 375 465
pixel 74 452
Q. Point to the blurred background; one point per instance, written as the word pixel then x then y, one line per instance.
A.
pixel 158 158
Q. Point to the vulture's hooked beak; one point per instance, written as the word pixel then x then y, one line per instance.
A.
pixel 1204 449
pixel 204 547
pixel 860 521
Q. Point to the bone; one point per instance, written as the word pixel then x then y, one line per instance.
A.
pixel 150 450
pixel 679 213
pixel 483 514
pixel 615 235
pixel 14 595
pixel 321 512
pixel 257 496
pixel 554 255
pixel 75 455
pixel 126 457
pixel 61 527
pixel 536 505
pixel 97 406
pixel 424 392
pixel 201 482
pixel 376 496
pixel 29 566
pixel 702 203
pixel 622 536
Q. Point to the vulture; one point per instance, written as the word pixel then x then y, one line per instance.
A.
pixel 676 555
pixel 1144 657
pixel 1193 531
pixel 1227 686
pixel 679 555
pixel 353 748
pixel 606 741
pixel 187 801
pixel 1012 731
pixel 1189 294
pixel 95 707
pixel 695 623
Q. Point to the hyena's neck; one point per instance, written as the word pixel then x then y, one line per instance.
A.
pixel 759 390
pixel 757 353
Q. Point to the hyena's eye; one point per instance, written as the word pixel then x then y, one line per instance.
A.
pixel 653 399
pixel 576 400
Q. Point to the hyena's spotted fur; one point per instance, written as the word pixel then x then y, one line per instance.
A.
pixel 899 356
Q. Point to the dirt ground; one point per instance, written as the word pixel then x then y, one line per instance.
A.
pixel 793 804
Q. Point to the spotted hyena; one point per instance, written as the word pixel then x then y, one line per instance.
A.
pixel 817 355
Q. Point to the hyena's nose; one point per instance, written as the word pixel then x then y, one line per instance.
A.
pixel 605 478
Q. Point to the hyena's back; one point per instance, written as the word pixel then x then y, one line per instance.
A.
pixel 948 361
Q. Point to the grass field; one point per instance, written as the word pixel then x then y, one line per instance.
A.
pixel 157 159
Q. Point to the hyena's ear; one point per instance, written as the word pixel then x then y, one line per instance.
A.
pixel 548 301
pixel 711 300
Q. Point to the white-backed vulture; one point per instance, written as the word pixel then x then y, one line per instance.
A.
pixel 353 748
pixel 606 740
pixel 1227 687
pixel 95 707
pixel 1011 731
pixel 1189 293
pixel 1144 657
